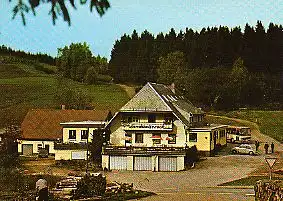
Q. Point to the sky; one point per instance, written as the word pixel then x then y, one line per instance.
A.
pixel 100 33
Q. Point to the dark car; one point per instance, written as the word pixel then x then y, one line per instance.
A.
pixel 42 153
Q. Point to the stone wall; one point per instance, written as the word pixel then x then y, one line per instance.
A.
pixel 266 190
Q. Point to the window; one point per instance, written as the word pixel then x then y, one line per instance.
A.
pixel 215 134
pixel 168 119
pixel 72 134
pixel 84 134
pixel 129 119
pixel 193 137
pixel 156 138
pixel 222 133
pixel 139 138
pixel 171 138
pixel 128 138
pixel 151 118
pixel 39 146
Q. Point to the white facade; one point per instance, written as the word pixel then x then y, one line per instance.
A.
pixel 36 145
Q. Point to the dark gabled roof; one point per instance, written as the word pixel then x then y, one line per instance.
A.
pixel 182 108
pixel 45 123
pixel 146 100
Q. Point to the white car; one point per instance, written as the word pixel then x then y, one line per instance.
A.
pixel 244 149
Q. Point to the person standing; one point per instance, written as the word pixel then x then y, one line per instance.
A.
pixel 42 190
pixel 272 147
pixel 266 146
pixel 256 145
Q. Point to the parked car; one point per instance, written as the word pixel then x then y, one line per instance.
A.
pixel 42 153
pixel 244 149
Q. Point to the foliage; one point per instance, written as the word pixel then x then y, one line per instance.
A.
pixel 191 155
pixel 77 62
pixel 74 60
pixel 221 68
pixel 104 78
pixel 90 186
pixel 9 145
pixel 58 8
pixel 91 76
pixel 74 99
pixel 45 68
pixel 172 68
pixel 19 94
pixel 15 180
pixel 21 55
pixel 96 146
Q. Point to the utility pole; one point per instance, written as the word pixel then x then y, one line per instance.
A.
pixel 86 171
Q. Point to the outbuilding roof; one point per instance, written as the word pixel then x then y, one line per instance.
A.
pixel 44 124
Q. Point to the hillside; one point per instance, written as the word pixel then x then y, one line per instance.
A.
pixel 270 122
pixel 26 84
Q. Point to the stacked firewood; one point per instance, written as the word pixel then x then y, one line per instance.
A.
pixel 269 190
pixel 116 187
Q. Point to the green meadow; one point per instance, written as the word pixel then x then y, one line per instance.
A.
pixel 24 86
pixel 270 122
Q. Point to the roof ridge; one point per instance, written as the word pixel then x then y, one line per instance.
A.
pixel 160 96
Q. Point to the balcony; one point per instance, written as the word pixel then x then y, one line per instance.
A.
pixel 116 150
pixel 148 126
pixel 70 146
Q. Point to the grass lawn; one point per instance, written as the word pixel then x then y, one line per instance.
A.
pixel 270 122
pixel 249 181
pixel 22 87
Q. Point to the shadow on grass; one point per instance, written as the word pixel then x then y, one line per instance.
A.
pixel 249 181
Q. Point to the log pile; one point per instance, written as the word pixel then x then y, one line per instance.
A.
pixel 269 190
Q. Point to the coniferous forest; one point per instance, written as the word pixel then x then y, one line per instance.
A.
pixel 218 67
pixel 215 68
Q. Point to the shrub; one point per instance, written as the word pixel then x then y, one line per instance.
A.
pixel 90 186
pixel 91 75
pixel 104 78
pixel 192 155
pixel 43 68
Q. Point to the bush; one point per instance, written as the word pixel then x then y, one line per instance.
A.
pixel 91 76
pixel 104 78
pixel 43 68
pixel 192 156
pixel 90 186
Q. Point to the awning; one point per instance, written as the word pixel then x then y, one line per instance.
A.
pixel 156 137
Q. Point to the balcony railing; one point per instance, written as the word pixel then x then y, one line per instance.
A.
pixel 143 150
pixel 70 146
pixel 148 126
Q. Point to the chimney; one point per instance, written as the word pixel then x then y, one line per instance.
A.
pixel 63 107
pixel 172 87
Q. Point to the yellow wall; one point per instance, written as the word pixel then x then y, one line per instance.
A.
pixel 203 140
pixel 35 145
